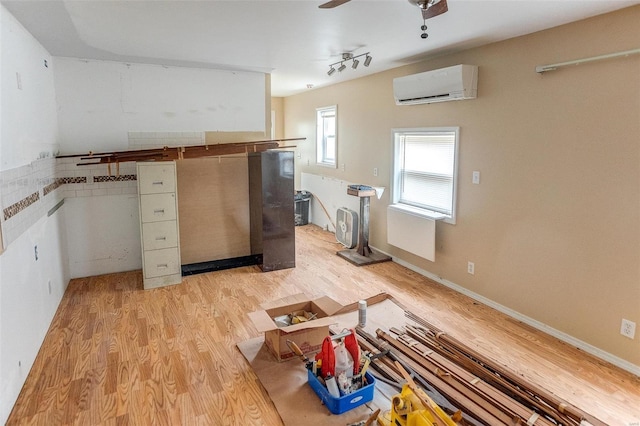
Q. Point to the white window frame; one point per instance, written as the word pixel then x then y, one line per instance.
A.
pixel 322 159
pixel 396 173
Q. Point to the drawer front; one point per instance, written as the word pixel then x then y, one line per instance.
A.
pixel 157 178
pixel 159 235
pixel 161 262
pixel 157 207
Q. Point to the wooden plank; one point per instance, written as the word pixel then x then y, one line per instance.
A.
pixel 455 346
pixel 519 392
pixel 471 404
pixel 191 151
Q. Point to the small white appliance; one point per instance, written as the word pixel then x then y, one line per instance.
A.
pixel 445 84
pixel 347 227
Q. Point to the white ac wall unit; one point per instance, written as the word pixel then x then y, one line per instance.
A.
pixel 347 227
pixel 445 84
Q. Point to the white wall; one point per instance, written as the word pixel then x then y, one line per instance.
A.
pixel 30 294
pixel 99 102
pixel 103 234
pixel 30 290
pixel 330 193
pixel 25 140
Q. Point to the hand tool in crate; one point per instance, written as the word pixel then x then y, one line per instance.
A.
pixel 359 385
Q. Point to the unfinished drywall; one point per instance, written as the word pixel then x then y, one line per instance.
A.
pixel 554 226
pixel 99 102
pixel 213 208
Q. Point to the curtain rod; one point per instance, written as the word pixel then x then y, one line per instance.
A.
pixel 551 67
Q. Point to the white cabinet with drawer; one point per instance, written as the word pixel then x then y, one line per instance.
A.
pixel 158 207
pixel 159 224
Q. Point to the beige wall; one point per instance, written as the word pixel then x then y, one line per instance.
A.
pixel 277 105
pixel 554 226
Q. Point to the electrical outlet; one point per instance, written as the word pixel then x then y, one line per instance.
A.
pixel 471 268
pixel 475 178
pixel 375 171
pixel 342 167
pixel 628 328
pixel 35 252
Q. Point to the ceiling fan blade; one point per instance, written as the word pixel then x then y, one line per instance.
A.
pixel 435 10
pixel 332 3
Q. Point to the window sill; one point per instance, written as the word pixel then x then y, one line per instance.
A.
pixel 424 213
pixel 329 165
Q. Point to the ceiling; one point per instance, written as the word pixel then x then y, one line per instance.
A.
pixel 293 40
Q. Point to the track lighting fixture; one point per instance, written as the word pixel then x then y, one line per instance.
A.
pixel 349 57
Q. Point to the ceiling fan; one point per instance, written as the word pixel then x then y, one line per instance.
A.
pixel 429 8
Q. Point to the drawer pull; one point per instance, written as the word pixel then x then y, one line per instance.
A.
pixel 161 238
pixel 159 182
pixel 158 211
pixel 162 266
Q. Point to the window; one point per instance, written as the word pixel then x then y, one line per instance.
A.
pixel 326 139
pixel 424 171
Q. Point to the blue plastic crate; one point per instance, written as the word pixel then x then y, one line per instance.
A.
pixel 344 403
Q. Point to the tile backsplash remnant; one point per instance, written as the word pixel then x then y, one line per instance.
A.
pixel 22 196
pixel 52 186
pixel 149 140
pixel 27 193
pixel 121 178
pixel 16 208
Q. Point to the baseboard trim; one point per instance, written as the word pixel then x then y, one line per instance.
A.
pixel 590 349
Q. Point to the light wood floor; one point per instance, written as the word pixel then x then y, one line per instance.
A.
pixel 117 354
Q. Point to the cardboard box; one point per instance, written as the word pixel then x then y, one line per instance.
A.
pixel 307 335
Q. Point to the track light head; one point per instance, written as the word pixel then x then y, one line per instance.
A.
pixel 340 65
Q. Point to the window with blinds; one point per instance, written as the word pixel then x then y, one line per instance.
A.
pixel 425 169
pixel 326 139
